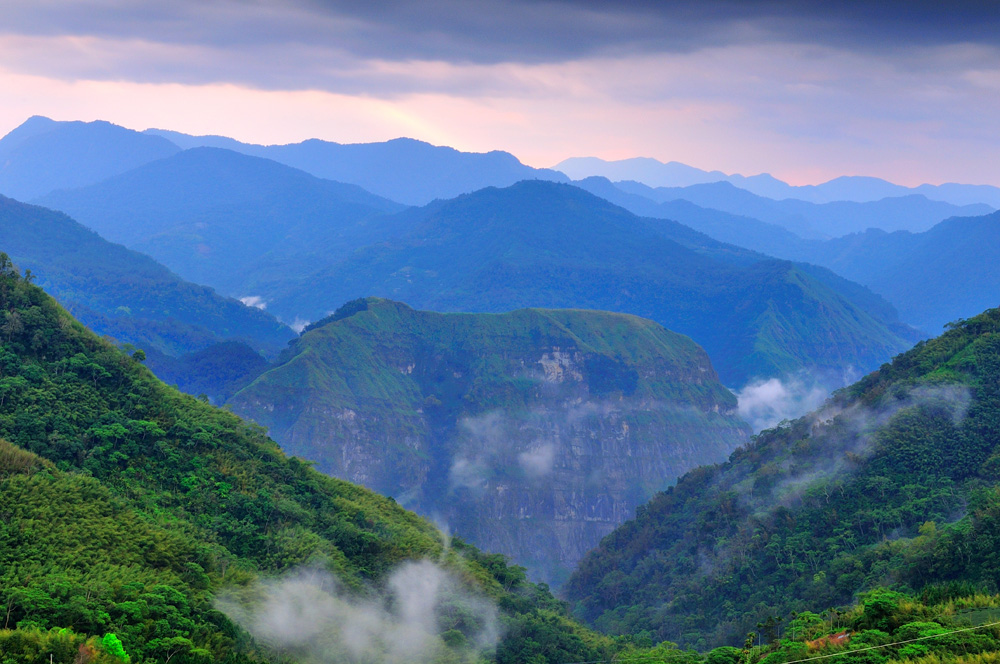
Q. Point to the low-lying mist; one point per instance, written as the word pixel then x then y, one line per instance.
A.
pixel 764 403
pixel 421 614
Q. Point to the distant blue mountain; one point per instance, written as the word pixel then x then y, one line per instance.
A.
pixel 43 155
pixel 232 221
pixel 403 169
pixel 860 189
pixel 913 212
pixel 949 272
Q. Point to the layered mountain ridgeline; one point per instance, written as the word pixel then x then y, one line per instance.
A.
pixel 43 155
pixel 234 222
pixel 912 212
pixel 932 277
pixel 125 294
pixel 949 272
pixel 861 189
pixel 552 245
pixel 137 521
pixel 403 169
pixel 893 482
pixel 532 433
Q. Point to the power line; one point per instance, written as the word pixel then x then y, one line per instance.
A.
pixel 810 659
pixel 897 643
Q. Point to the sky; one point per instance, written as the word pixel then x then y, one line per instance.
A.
pixel 900 89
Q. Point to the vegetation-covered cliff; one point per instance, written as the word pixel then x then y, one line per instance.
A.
pixel 532 433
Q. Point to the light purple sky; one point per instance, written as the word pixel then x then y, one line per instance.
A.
pixel 905 90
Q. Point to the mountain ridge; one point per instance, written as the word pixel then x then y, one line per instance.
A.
pixel 556 246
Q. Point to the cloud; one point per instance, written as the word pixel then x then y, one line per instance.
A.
pixel 422 614
pixel 492 31
pixel 254 301
pixel 537 461
pixel 764 403
pixel 468 473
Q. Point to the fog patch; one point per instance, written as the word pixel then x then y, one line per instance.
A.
pixel 847 436
pixel 298 324
pixel 537 462
pixel 468 473
pixel 765 403
pixel 422 614
pixel 255 301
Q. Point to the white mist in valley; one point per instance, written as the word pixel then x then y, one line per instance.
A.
pixel 421 614
pixel 764 403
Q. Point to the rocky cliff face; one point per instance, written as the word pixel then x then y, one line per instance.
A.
pixel 532 433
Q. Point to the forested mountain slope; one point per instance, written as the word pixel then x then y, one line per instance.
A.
pixel 125 294
pixel 531 433
pixel 894 481
pixel 233 222
pixel 551 245
pixel 130 509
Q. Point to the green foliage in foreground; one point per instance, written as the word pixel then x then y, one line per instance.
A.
pixel 944 625
pixel 126 505
pixel 896 482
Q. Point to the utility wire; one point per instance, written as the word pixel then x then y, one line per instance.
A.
pixel 810 659
pixel 897 643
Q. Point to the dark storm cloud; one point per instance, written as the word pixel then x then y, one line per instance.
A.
pixel 490 31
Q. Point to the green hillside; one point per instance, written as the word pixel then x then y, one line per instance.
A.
pixel 893 483
pixel 129 509
pixel 125 294
pixel 532 433
pixel 543 244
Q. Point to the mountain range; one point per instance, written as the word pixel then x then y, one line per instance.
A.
pixel 235 222
pixel 403 169
pixel 560 359
pixel 654 173
pixel 913 212
pixel 932 277
pixel 42 155
pixel 553 245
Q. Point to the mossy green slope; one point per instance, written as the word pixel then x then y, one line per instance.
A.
pixel 894 481
pixel 125 506
pixel 531 433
